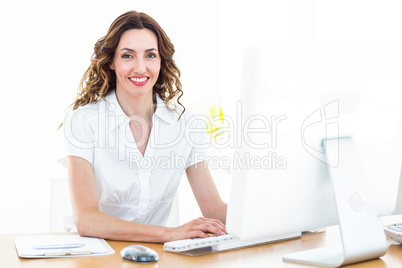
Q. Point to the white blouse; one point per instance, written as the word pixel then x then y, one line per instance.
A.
pixel 130 186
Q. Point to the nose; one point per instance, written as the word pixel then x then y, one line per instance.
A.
pixel 139 66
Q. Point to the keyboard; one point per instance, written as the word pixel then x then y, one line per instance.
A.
pixel 189 244
pixel 214 243
pixel 394 232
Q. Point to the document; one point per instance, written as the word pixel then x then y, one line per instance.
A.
pixel 50 246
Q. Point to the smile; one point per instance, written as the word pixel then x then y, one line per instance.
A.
pixel 139 81
pixel 142 79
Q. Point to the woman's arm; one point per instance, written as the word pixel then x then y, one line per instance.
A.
pixel 205 192
pixel 91 222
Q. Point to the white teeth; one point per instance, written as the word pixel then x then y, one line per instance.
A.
pixel 138 79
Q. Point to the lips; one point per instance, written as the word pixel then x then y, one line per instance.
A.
pixel 139 81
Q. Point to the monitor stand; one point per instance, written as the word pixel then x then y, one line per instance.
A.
pixel 361 230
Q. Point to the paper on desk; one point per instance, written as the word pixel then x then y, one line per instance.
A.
pixel 24 245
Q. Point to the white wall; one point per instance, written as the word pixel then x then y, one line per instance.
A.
pixel 45 47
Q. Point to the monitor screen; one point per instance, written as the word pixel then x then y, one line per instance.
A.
pixel 291 99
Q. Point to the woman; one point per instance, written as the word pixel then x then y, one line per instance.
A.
pixel 128 144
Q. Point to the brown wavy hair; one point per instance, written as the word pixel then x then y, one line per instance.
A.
pixel 99 80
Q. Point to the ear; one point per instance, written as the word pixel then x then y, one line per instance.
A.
pixel 111 66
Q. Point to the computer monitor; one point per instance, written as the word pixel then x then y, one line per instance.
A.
pixel 321 144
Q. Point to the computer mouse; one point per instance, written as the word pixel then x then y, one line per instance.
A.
pixel 139 253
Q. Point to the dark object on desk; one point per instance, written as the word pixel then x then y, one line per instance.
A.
pixel 139 253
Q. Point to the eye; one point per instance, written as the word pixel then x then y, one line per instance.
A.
pixel 126 56
pixel 151 55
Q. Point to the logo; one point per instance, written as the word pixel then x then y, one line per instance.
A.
pixel 322 124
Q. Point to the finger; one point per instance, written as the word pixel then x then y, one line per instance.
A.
pixel 210 228
pixel 216 223
pixel 219 227
pixel 198 233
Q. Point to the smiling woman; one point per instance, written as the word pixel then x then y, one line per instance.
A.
pixel 123 116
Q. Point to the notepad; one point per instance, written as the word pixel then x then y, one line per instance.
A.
pixel 50 246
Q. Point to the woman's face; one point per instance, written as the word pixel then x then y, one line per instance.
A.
pixel 136 63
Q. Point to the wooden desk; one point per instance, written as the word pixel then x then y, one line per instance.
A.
pixel 269 255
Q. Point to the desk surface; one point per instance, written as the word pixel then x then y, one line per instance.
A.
pixel 269 255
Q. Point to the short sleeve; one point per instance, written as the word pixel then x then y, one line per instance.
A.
pixel 79 135
pixel 198 140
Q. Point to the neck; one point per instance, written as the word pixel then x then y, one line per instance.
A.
pixel 136 106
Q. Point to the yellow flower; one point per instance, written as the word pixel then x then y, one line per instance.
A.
pixel 215 122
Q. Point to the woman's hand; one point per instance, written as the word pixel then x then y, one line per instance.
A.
pixel 200 227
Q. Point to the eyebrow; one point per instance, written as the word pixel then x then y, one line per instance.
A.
pixel 132 50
